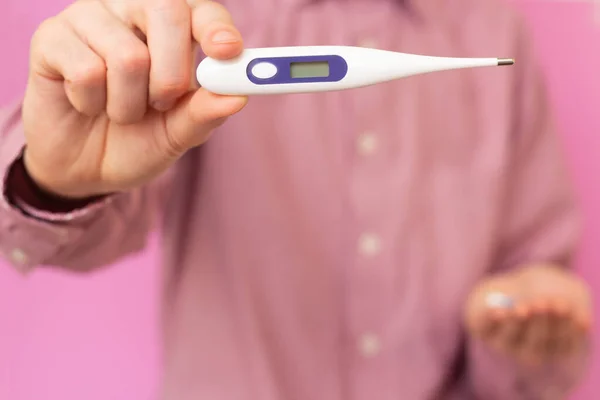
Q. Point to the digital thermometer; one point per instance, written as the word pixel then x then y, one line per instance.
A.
pixel 302 69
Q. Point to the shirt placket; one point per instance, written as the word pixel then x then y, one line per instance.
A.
pixel 370 283
pixel 367 292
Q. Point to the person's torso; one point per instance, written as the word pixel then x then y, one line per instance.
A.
pixel 321 246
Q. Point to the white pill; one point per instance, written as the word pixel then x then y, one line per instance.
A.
pixel 499 300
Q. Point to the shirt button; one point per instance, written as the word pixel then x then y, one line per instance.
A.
pixel 18 256
pixel 367 143
pixel 370 345
pixel 369 244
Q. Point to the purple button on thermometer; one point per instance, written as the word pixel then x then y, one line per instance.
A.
pixel 302 69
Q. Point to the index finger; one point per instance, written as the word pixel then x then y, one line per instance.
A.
pixel 214 30
pixel 170 46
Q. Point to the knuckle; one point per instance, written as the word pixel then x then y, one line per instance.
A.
pixel 45 30
pixel 125 10
pixel 75 9
pixel 130 59
pixel 91 73
pixel 212 7
pixel 207 13
pixel 176 12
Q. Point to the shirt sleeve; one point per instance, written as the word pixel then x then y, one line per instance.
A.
pixel 540 224
pixel 78 236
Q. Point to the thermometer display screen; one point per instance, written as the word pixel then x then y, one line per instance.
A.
pixel 317 69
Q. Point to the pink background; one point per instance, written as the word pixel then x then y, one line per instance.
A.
pixel 65 337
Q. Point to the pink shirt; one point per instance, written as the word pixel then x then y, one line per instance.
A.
pixel 321 246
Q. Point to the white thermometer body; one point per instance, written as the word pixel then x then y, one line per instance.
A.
pixel 303 69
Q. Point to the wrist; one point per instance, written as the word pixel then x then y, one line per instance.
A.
pixel 52 188
pixel 27 194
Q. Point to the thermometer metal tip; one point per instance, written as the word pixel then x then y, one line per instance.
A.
pixel 505 61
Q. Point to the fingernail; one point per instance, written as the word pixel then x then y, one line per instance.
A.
pixel 222 37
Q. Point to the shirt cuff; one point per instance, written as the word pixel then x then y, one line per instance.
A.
pixel 22 192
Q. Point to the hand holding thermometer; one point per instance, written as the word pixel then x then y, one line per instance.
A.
pixel 302 69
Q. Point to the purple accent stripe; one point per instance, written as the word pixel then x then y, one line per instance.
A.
pixel 337 69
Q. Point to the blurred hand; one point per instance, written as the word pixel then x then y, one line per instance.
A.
pixel 549 321
pixel 109 104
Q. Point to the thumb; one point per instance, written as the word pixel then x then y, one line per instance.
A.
pixel 190 123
